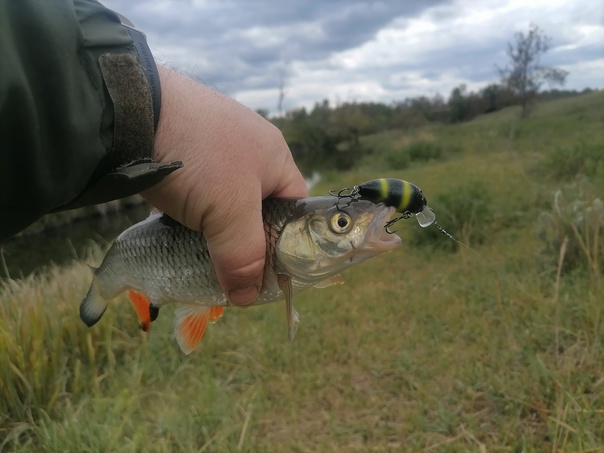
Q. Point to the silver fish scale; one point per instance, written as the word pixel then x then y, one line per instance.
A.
pixel 164 260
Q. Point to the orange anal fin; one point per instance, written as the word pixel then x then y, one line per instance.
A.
pixel 142 307
pixel 215 314
pixel 190 322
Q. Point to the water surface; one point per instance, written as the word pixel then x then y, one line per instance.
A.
pixel 29 253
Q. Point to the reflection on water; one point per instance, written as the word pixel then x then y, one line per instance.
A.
pixel 26 254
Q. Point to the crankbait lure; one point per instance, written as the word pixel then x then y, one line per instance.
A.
pixel 407 198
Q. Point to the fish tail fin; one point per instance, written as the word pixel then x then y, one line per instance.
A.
pixel 190 324
pixel 93 306
pixel 143 309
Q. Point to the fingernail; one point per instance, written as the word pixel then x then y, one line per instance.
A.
pixel 243 296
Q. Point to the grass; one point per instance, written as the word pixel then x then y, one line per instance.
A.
pixel 422 349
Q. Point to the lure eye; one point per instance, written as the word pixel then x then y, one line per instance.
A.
pixel 341 223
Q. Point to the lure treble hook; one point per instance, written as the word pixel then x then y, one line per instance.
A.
pixel 345 192
pixel 405 215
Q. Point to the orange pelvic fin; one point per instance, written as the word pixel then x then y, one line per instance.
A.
pixel 142 307
pixel 215 314
pixel 190 322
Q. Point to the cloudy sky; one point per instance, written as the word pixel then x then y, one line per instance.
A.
pixel 349 50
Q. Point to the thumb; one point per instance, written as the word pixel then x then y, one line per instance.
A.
pixel 237 246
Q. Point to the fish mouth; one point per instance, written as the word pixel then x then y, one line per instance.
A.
pixel 379 239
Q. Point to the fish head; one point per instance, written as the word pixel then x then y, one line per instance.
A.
pixel 326 235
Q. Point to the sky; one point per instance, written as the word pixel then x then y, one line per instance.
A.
pixel 356 51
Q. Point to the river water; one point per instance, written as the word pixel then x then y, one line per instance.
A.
pixel 23 255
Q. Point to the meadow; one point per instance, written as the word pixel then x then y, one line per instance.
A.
pixel 429 348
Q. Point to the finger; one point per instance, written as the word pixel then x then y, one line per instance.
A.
pixel 291 183
pixel 237 246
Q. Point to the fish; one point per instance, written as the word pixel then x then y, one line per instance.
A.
pixel 310 242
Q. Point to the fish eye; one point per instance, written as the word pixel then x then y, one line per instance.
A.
pixel 341 222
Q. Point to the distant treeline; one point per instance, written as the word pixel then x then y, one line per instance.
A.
pixel 327 136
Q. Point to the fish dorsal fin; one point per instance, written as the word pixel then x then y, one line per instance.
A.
pixel 143 308
pixel 293 319
pixel 190 322
pixel 337 279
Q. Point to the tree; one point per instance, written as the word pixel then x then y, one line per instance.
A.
pixel 525 76
pixel 264 113
pixel 496 97
pixel 458 104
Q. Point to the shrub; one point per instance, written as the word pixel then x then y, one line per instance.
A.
pixel 581 158
pixel 415 151
pixel 573 229
pixel 465 212
pixel 422 150
pixel 398 160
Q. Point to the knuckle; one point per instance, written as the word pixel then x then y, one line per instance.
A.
pixel 249 270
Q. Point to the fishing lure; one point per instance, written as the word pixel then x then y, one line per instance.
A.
pixel 405 197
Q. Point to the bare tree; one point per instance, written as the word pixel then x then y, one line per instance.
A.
pixel 524 76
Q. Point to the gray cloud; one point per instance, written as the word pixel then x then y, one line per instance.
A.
pixel 297 29
pixel 356 48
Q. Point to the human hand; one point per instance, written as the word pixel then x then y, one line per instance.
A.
pixel 233 159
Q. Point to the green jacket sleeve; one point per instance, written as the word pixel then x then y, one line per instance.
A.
pixel 76 109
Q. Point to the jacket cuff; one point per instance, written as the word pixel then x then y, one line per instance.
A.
pixel 124 181
pixel 147 62
pixel 133 84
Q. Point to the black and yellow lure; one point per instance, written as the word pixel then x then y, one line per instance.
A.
pixel 405 197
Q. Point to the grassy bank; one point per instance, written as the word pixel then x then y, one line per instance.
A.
pixel 426 348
